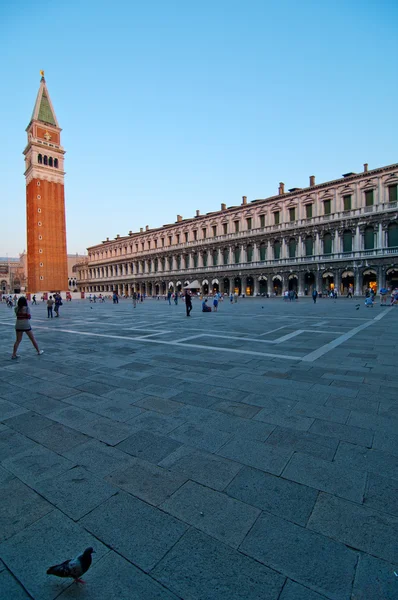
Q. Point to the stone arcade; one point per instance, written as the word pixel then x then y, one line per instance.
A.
pixel 338 234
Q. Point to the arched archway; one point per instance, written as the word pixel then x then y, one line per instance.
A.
pixel 309 282
pixel 277 285
pixel 249 286
pixel 392 278
pixel 293 282
pixel 215 286
pixel 3 286
pixel 263 285
pixel 327 282
pixel 226 285
pixel 347 281
pixel 205 287
pixel 17 286
pixel 150 287
pixel 179 286
pixel 237 285
pixel 369 280
pixel 164 287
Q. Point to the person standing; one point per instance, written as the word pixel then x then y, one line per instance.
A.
pixel 58 303
pixel 50 304
pixel 215 302
pixel 188 303
pixel 314 295
pixel 22 325
pixel 169 297
pixel 350 290
pixel 134 299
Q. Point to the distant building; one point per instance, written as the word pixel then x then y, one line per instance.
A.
pixel 45 203
pixel 75 261
pixel 13 275
pixel 339 235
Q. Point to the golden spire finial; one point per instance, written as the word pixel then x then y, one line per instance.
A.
pixel 42 73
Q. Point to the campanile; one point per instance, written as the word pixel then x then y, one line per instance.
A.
pixel 45 201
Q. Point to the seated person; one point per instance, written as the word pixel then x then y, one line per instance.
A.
pixel 205 308
pixel 369 301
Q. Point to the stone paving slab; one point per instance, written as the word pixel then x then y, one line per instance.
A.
pixel 313 560
pixel 50 540
pixel 98 458
pixel 203 467
pixel 139 532
pixel 115 577
pixel 216 514
pixel 76 492
pixel 102 430
pixel 147 481
pixel 356 526
pixel 37 463
pixel 295 591
pixel 19 507
pixel 258 455
pixel 375 580
pixel 278 496
pixel 10 588
pixel 326 476
pixel 200 567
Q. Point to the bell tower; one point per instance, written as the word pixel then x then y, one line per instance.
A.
pixel 45 201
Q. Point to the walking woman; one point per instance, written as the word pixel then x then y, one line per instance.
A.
pixel 23 325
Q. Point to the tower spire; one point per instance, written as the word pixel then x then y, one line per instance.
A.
pixel 43 109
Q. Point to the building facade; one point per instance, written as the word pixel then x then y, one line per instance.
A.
pixel 13 278
pixel 45 201
pixel 334 235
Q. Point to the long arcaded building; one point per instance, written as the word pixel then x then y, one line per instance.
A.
pixel 338 234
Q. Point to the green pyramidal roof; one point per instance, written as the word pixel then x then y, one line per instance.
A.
pixel 45 112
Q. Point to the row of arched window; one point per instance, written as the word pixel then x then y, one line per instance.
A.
pixel 185 261
pixel 47 160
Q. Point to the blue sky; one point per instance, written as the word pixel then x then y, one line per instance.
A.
pixel 168 106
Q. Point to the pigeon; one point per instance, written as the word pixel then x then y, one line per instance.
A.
pixel 357 306
pixel 74 567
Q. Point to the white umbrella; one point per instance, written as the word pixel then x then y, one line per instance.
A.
pixel 195 285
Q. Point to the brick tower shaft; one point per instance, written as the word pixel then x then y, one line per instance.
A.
pixel 45 200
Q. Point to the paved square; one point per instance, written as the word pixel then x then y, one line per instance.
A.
pixel 249 453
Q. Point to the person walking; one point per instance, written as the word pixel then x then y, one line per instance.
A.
pixel 314 295
pixel 134 299
pixel 350 290
pixel 22 325
pixel 58 303
pixel 188 303
pixel 50 304
pixel 169 297
pixel 34 300
pixel 215 302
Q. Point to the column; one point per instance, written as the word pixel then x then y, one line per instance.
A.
pixel 336 249
pixel 300 290
pixel 299 252
pixel 255 285
pixel 317 244
pixel 380 242
pixel 357 284
pixel 283 248
pixel 357 242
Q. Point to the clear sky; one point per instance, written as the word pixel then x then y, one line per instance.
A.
pixel 168 106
